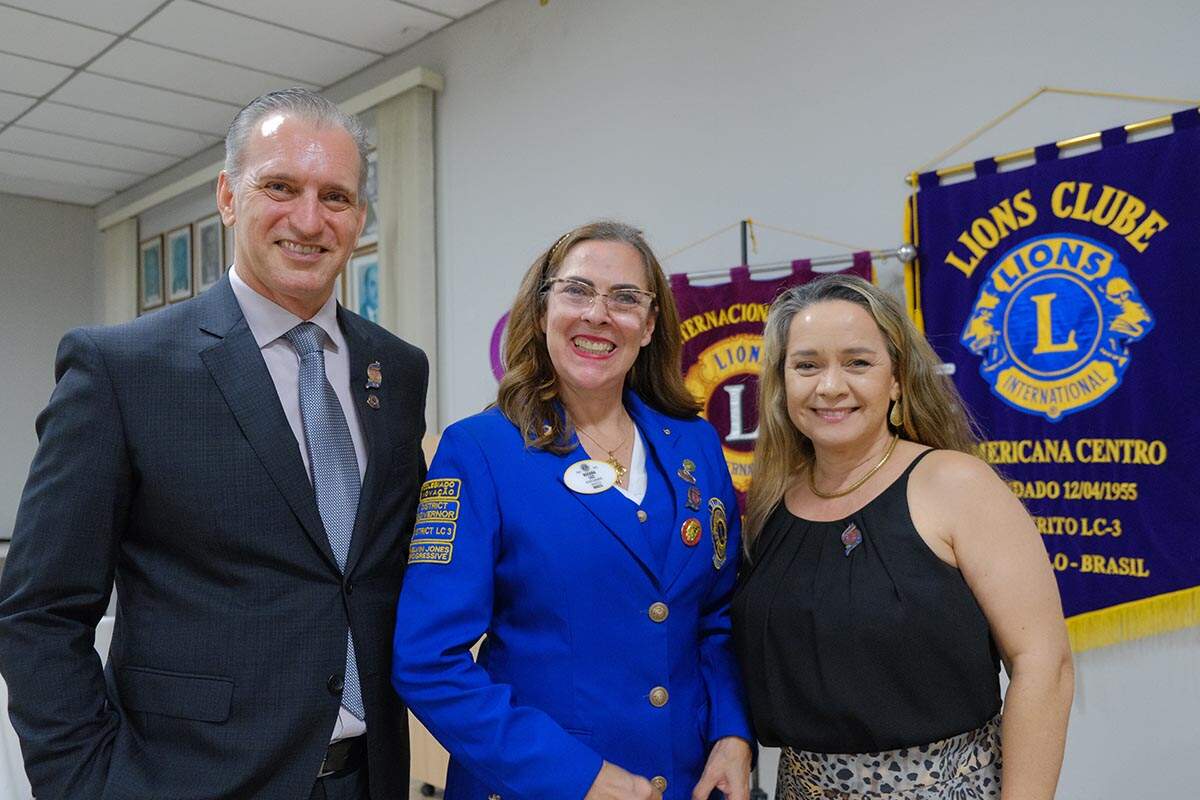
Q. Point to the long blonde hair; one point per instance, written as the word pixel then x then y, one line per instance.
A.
pixel 933 413
pixel 528 393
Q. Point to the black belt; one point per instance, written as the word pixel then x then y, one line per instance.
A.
pixel 343 757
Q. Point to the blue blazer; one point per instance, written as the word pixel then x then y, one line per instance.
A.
pixel 579 664
pixel 166 463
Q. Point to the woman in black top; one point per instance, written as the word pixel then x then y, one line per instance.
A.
pixel 889 572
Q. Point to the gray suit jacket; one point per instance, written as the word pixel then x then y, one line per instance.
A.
pixel 166 463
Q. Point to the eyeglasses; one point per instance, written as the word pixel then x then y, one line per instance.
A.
pixel 579 295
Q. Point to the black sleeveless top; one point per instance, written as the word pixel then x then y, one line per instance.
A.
pixel 878 649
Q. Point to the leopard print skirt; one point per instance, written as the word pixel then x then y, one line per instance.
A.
pixel 963 767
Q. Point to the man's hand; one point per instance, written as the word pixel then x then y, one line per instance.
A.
pixel 614 783
pixel 727 769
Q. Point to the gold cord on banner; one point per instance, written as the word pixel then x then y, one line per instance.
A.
pixel 751 224
pixel 1077 141
pixel 674 253
pixel 942 156
pixel 812 237
pixel 912 287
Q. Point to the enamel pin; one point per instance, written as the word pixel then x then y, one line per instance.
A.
pixel 719 525
pixel 686 469
pixel 590 476
pixel 690 531
pixel 851 538
pixel 373 401
pixel 374 375
pixel 693 498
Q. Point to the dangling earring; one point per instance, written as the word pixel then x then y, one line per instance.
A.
pixel 895 416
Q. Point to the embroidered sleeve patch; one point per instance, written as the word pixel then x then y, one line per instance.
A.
pixel 437 511
pixel 437 518
pixel 441 489
pixel 434 532
pixel 430 553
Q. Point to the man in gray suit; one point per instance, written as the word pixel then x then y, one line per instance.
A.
pixel 245 466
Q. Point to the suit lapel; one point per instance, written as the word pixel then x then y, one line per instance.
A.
pixel 610 506
pixel 373 424
pixel 241 375
pixel 662 446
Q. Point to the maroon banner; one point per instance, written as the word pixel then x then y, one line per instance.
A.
pixel 722 327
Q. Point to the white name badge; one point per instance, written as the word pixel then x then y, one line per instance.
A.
pixel 590 476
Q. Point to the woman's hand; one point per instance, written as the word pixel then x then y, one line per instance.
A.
pixel 614 783
pixel 727 769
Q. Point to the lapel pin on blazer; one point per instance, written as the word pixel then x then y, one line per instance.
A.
pixel 690 531
pixel 693 498
pixel 719 525
pixel 374 379
pixel 374 375
pixel 686 470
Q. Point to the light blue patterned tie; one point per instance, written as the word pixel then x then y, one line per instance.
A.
pixel 334 470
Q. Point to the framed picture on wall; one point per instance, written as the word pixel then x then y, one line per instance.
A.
pixel 208 252
pixel 150 274
pixel 362 285
pixel 179 263
pixel 370 234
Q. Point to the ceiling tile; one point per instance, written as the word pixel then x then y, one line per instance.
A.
pixel 50 170
pixel 143 102
pixel 117 130
pixel 11 105
pixel 237 40
pixel 53 190
pixel 117 17
pixel 31 77
pixel 171 69
pixel 28 34
pixel 377 25
pixel 38 143
pixel 453 8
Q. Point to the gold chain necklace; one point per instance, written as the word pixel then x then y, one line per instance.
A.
pixel 612 460
pixel 812 485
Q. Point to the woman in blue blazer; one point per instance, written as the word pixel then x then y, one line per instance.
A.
pixel 587 525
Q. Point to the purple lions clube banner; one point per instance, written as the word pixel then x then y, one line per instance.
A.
pixel 1063 294
pixel 722 327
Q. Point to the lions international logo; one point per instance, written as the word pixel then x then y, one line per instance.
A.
pixel 1053 322
pixel 725 379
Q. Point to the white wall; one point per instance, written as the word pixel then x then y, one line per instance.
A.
pixel 185 209
pixel 47 257
pixel 685 116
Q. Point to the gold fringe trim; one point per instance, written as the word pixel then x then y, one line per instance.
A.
pixel 1135 620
